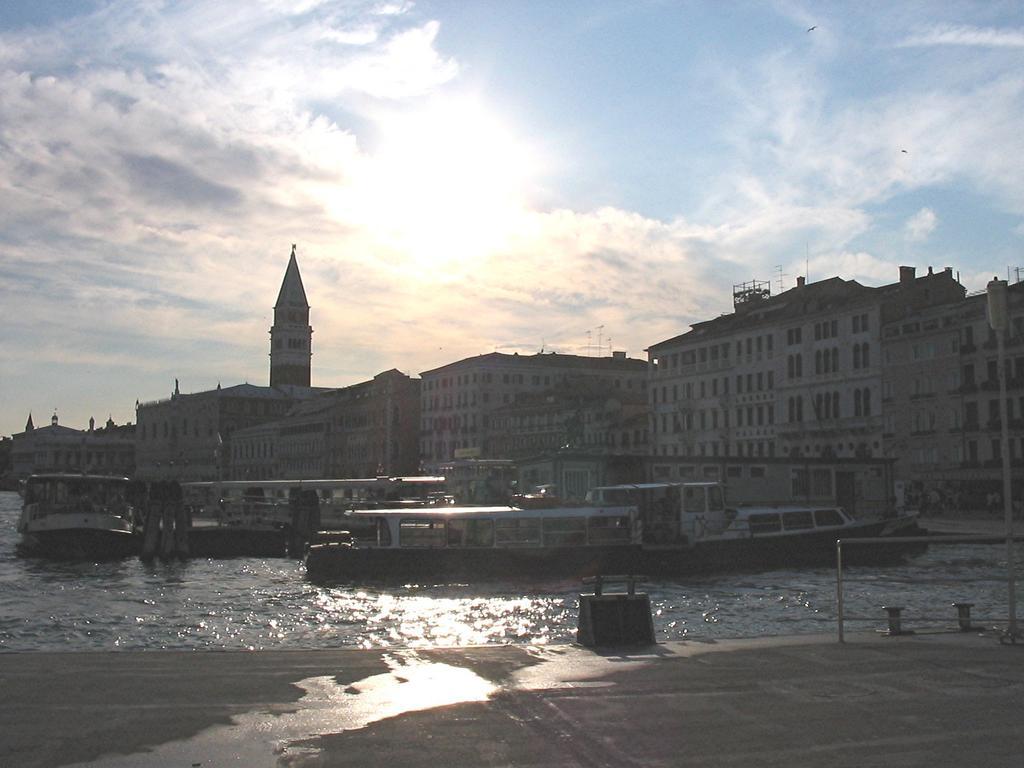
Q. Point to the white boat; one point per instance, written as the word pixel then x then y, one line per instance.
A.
pixel 657 529
pixel 67 516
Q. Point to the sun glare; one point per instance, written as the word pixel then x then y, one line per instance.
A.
pixel 447 185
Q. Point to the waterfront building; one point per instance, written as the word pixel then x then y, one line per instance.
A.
pixel 374 427
pixel 940 400
pixel 598 419
pixel 292 447
pixel 108 450
pixel 364 430
pixel 188 436
pixel 459 399
pixel 793 375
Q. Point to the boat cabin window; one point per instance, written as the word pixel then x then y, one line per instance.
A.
pixel 716 499
pixel 693 498
pixel 79 494
pixel 828 517
pixel 470 533
pixel 422 532
pixel 565 531
pixel 798 520
pixel 517 531
pixel 383 533
pixel 768 522
pixel 608 530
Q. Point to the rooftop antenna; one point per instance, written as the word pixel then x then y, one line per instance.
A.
pixel 807 262
pixel 781 276
pixel 600 338
pixel 588 342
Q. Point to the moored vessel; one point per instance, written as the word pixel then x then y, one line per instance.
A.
pixel 72 517
pixel 657 529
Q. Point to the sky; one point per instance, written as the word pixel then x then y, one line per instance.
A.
pixel 469 177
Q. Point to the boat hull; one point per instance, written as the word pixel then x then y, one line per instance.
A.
pixel 79 544
pixel 814 549
pixel 341 563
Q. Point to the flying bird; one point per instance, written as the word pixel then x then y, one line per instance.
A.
pixel 904 152
pixel 811 29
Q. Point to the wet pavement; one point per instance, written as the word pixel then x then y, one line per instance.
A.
pixel 928 700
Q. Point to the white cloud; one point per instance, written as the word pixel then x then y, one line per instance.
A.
pixel 953 34
pixel 921 224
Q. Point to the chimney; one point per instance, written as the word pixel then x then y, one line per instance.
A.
pixel 801 281
pixel 907 274
pixel 619 354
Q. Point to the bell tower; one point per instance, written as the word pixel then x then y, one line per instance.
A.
pixel 291 335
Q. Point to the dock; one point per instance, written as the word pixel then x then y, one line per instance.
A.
pixel 945 699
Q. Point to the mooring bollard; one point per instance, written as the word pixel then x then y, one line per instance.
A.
pixel 615 618
pixel 895 628
pixel 963 616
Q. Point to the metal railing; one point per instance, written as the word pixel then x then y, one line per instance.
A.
pixel 841 617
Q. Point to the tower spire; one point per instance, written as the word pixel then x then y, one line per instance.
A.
pixel 291 335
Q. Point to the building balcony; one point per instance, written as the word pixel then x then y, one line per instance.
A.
pixel 922 396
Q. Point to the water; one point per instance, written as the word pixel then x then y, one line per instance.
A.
pixel 255 603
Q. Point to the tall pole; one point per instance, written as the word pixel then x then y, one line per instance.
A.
pixel 998 318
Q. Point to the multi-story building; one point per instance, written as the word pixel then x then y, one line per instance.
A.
pixel 798 374
pixel 109 450
pixel 374 427
pixel 187 436
pixel 540 422
pixel 940 400
pixel 364 430
pixel 458 399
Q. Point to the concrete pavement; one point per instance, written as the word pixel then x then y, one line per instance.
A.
pixel 922 700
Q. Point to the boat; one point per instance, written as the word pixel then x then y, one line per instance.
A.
pixel 74 517
pixel 446 544
pixel 688 528
pixel 275 518
pixel 654 529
